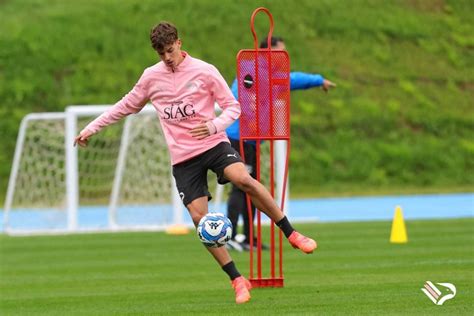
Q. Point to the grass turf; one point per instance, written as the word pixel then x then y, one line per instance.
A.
pixel 354 271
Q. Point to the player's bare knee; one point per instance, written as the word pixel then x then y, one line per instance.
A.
pixel 246 183
pixel 196 215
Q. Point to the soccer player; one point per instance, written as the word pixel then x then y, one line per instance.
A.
pixel 237 204
pixel 183 91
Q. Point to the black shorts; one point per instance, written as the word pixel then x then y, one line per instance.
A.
pixel 250 153
pixel 191 175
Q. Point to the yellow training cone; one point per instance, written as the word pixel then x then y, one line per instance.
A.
pixel 177 229
pixel 399 231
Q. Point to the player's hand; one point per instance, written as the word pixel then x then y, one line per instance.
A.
pixel 200 132
pixel 327 85
pixel 83 138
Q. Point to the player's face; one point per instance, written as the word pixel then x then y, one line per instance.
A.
pixel 171 55
pixel 280 45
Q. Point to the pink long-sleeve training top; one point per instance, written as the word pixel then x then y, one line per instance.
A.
pixel 183 99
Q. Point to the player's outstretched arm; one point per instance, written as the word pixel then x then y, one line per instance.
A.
pixel 327 85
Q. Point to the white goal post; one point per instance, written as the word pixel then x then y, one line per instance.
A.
pixel 121 181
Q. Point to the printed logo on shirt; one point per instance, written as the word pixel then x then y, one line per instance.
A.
pixel 191 85
pixel 178 111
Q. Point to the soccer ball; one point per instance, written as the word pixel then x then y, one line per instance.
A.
pixel 214 230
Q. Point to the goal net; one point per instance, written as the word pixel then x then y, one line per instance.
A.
pixel 121 181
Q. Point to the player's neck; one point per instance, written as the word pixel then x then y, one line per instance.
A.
pixel 183 55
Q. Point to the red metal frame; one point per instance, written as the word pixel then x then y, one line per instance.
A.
pixel 259 134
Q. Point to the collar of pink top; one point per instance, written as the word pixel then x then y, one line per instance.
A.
pixel 182 65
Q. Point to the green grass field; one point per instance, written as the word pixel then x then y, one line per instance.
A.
pixel 355 271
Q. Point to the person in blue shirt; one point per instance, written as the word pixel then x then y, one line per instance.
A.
pixel 237 204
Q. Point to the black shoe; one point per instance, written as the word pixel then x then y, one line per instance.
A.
pixel 246 245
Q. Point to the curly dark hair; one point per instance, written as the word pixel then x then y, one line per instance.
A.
pixel 163 34
pixel 274 40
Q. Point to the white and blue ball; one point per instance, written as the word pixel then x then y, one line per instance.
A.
pixel 214 230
